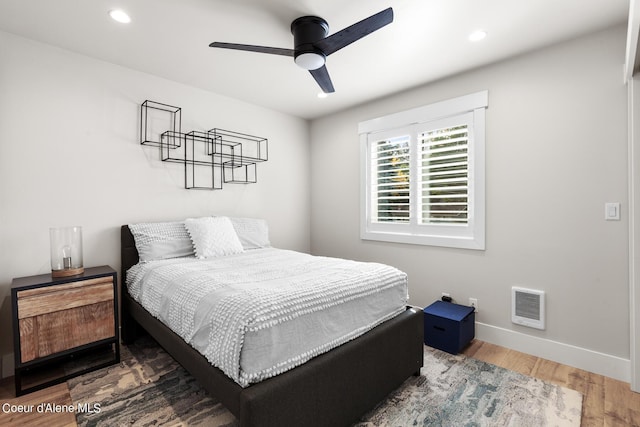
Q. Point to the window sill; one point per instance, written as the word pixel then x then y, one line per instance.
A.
pixel 460 242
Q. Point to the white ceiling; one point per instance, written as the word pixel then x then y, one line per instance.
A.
pixel 426 41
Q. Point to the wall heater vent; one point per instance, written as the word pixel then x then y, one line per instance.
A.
pixel 527 307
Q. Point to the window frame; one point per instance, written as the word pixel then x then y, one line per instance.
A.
pixel 471 108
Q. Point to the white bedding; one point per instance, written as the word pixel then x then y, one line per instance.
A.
pixel 265 311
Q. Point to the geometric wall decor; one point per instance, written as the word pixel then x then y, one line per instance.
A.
pixel 156 118
pixel 210 158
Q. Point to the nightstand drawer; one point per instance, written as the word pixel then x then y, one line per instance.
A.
pixel 35 302
pixel 57 331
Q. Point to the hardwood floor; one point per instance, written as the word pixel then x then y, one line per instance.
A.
pixel 58 394
pixel 607 402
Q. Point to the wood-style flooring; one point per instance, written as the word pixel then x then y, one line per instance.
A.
pixel 607 402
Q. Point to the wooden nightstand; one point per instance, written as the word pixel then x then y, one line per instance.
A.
pixel 63 327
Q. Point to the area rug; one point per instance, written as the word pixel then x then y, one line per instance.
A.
pixel 461 391
pixel 148 388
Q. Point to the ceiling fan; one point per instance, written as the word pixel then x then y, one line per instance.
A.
pixel 312 45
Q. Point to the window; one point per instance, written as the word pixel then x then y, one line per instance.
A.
pixel 423 174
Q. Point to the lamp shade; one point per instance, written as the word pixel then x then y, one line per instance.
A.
pixel 66 251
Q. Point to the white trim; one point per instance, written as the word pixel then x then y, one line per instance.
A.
pixel 634 231
pixel 438 110
pixel 422 239
pixel 578 357
pixel 633 32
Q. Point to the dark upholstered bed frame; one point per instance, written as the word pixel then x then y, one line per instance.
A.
pixel 333 389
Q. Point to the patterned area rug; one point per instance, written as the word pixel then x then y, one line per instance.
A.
pixel 148 388
pixel 461 391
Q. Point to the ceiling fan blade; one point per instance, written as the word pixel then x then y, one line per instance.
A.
pixel 355 32
pixel 322 77
pixel 253 48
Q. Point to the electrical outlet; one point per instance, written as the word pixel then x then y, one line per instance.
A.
pixel 446 297
pixel 473 302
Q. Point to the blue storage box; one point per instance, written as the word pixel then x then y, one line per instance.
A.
pixel 448 326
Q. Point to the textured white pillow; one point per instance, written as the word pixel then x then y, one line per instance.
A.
pixel 161 240
pixel 213 236
pixel 252 232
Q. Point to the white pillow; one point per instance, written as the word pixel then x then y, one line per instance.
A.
pixel 161 240
pixel 213 237
pixel 253 233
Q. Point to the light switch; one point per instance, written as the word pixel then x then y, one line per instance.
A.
pixel 612 211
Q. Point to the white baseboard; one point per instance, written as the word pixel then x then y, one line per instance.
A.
pixel 582 358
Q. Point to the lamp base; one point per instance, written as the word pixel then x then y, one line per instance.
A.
pixel 67 272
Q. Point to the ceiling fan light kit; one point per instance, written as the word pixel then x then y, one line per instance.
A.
pixel 312 44
pixel 310 60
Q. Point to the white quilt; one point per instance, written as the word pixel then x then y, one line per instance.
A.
pixel 262 312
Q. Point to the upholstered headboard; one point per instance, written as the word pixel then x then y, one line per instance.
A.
pixel 128 251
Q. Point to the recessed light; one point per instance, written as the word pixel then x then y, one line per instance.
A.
pixel 120 16
pixel 477 35
pixel 322 95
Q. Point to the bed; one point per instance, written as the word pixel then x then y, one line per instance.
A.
pixel 332 389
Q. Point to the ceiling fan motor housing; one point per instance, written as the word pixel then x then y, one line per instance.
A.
pixel 308 30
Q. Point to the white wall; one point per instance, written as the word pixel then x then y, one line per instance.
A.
pixel 69 155
pixel 556 152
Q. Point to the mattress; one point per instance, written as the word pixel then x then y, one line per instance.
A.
pixel 257 314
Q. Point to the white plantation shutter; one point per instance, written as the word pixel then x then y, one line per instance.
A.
pixel 391 192
pixel 444 192
pixel 423 174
